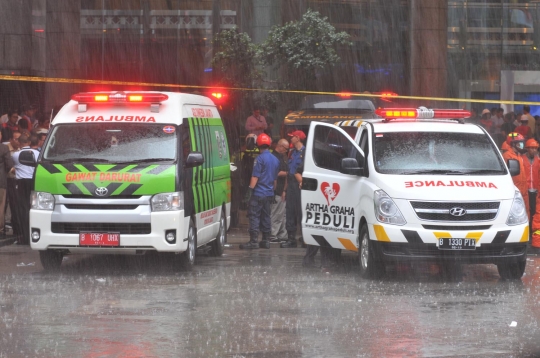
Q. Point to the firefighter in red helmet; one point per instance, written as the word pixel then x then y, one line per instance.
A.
pixel 517 147
pixel 261 194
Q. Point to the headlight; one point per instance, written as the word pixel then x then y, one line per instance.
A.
pixel 518 211
pixel 168 201
pixel 386 210
pixel 42 201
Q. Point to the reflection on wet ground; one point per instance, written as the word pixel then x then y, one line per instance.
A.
pixel 260 304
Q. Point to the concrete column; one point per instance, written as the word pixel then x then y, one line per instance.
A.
pixel 266 13
pixel 16 37
pixel 428 41
pixel 63 48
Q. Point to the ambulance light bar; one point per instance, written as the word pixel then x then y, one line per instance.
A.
pixel 422 113
pixel 118 97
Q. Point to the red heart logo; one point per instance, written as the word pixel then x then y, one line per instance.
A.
pixel 330 193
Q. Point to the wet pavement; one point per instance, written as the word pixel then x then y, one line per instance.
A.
pixel 261 303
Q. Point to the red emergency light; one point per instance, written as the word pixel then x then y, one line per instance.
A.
pixel 119 97
pixel 217 95
pixel 422 113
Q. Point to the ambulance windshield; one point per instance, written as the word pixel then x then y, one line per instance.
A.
pixel 436 153
pixel 111 142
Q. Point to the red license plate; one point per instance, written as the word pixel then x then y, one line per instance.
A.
pixel 99 239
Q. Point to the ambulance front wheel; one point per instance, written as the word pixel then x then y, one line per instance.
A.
pixel 187 258
pixel 51 260
pixel 370 265
pixel 218 245
pixel 512 271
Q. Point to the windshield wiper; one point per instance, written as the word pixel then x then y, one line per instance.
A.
pixel 484 171
pixel 435 171
pixel 93 160
pixel 147 160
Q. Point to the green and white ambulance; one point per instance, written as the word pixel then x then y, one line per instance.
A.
pixel 131 172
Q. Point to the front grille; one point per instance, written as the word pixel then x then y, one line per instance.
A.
pixel 431 250
pixel 82 196
pixel 122 228
pixel 444 208
pixel 100 207
pixel 453 227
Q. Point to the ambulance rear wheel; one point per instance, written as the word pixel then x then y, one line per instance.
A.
pixel 51 260
pixel 370 266
pixel 512 271
pixel 218 245
pixel 187 258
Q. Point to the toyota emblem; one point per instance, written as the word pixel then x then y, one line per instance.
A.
pixel 457 211
pixel 101 191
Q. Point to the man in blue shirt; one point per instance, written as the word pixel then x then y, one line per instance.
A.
pixel 261 187
pixel 293 208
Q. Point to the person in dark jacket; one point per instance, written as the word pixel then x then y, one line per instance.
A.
pixel 6 163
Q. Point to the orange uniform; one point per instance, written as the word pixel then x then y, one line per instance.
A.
pixel 533 171
pixel 520 180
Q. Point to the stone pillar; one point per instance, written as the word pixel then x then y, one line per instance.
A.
pixel 266 13
pixel 62 49
pixel 16 37
pixel 428 41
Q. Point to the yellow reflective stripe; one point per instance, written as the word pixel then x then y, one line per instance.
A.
pixel 525 236
pixel 380 233
pixel 474 235
pixel 348 244
pixel 346 123
pixel 442 234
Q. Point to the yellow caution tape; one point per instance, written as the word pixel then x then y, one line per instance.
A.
pixel 171 85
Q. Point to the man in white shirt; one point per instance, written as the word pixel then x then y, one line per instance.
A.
pixel 23 176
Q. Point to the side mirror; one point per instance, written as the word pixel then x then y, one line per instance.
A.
pixel 350 166
pixel 194 159
pixel 513 167
pixel 27 158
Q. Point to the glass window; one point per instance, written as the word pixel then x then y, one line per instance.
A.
pixel 111 142
pixel 330 146
pixel 435 153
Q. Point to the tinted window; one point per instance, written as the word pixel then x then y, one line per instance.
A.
pixel 330 146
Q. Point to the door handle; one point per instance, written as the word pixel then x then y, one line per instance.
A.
pixel 309 184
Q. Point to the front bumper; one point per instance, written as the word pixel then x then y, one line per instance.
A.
pixel 153 239
pixel 487 254
pixel 497 244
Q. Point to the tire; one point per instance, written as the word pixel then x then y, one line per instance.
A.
pixel 51 260
pixel 218 245
pixel 187 258
pixel 370 265
pixel 512 271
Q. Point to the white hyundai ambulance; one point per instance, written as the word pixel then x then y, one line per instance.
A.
pixel 417 185
pixel 131 172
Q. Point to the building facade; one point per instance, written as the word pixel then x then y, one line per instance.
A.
pixel 431 48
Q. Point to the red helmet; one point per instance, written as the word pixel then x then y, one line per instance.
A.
pixel 531 143
pixel 263 139
pixel 514 137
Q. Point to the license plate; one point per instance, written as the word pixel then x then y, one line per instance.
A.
pixel 457 244
pixel 99 238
